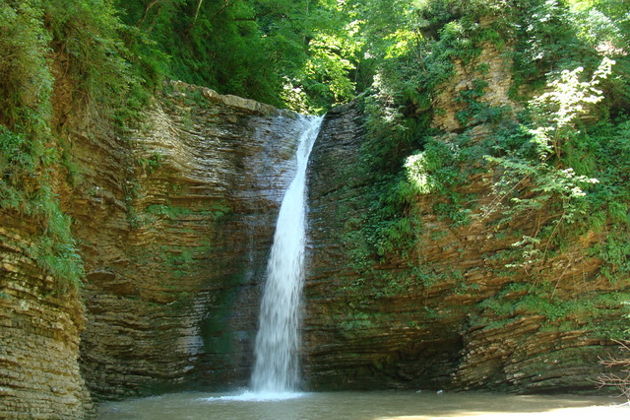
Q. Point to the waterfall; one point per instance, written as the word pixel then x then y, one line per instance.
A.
pixel 276 368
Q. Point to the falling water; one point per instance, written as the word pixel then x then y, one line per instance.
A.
pixel 277 341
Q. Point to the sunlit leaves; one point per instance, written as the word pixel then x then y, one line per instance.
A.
pixel 566 99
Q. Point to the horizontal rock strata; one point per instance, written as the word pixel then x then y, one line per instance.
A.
pixel 174 271
pixel 174 222
pixel 39 335
pixel 449 315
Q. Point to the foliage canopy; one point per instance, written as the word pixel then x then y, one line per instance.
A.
pixel 566 126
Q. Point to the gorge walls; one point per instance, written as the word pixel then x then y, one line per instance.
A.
pixel 448 313
pixel 161 297
pixel 39 334
pixel 174 222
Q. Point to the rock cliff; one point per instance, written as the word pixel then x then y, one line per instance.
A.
pixel 449 314
pixel 187 247
pixel 174 223
pixel 39 334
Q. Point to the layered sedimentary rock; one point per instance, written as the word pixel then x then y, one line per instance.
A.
pixel 174 222
pixel 173 277
pixel 449 314
pixel 39 334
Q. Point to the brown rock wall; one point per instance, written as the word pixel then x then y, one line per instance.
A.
pixel 39 335
pixel 492 67
pixel 174 222
pixel 450 314
pixel 197 213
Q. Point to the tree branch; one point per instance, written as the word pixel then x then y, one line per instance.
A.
pixel 199 2
pixel 146 11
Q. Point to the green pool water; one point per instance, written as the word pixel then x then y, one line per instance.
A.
pixel 364 405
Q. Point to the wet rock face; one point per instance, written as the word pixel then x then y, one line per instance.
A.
pixel 449 315
pixel 175 266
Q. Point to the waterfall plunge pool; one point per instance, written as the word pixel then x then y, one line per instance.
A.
pixel 384 405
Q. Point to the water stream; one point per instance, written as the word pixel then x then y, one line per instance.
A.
pixel 276 369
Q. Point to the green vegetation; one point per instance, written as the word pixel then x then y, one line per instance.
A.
pixel 562 313
pixel 281 52
pixel 28 149
pixel 180 260
pixel 561 119
pixel 555 148
pixel 555 145
pixel 26 188
pixel 556 47
pixel 217 210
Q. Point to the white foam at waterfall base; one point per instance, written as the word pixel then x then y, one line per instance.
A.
pixel 249 396
pixel 276 370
